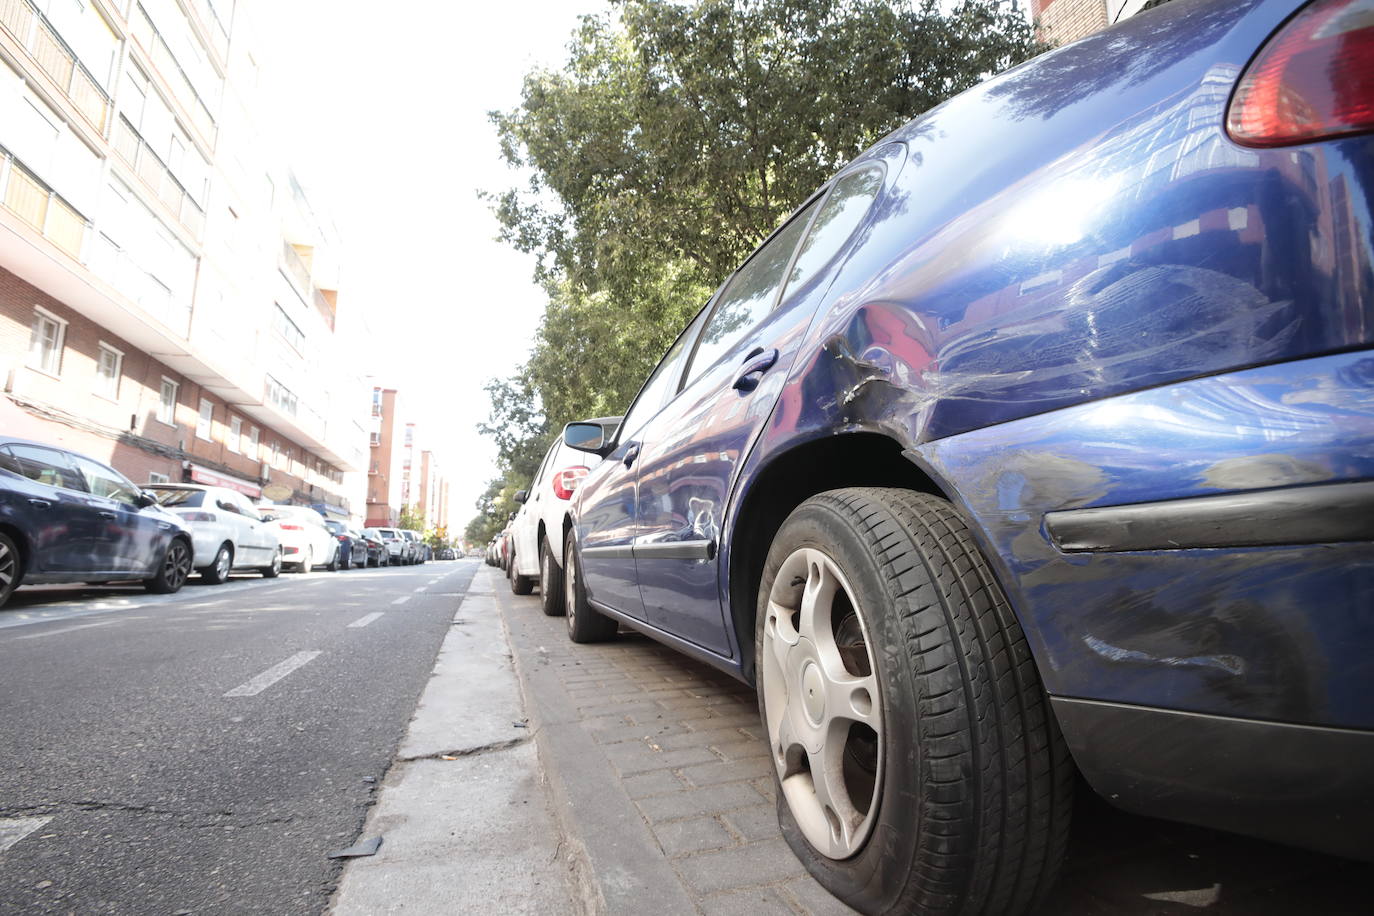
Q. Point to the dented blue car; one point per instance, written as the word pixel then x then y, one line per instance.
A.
pixel 1038 443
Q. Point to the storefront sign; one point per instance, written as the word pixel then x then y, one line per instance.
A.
pixel 198 474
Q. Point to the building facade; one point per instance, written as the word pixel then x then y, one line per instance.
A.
pixel 384 475
pixel 168 291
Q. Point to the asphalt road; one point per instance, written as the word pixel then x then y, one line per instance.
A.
pixel 204 752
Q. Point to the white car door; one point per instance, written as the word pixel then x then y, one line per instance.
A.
pixel 258 541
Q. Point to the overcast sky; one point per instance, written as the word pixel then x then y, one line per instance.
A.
pixel 384 118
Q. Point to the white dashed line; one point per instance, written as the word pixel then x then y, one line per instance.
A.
pixel 14 829
pixel 269 677
pixel 420 589
pixel 84 626
pixel 401 600
pixel 364 621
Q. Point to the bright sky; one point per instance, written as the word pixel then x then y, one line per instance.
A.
pixel 385 122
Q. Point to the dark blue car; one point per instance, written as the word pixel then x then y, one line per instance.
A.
pixel 68 518
pixel 1039 442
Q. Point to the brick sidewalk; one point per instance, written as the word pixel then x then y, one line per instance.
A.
pixel 659 767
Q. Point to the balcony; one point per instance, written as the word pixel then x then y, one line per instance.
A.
pixel 40 207
pixel 136 153
pixel 155 46
pixel 31 30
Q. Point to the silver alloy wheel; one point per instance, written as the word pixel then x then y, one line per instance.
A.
pixel 308 562
pixel 822 704
pixel 570 587
pixel 544 569
pixel 8 567
pixel 177 565
pixel 276 562
pixel 222 561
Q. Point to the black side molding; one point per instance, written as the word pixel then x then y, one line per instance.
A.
pixel 1319 514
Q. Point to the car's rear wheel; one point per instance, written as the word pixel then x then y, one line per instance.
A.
pixel 307 562
pixel 918 764
pixel 273 570
pixel 171 573
pixel 10 568
pixel 519 585
pixel 551 597
pixel 217 572
pixel 585 623
pixel 333 564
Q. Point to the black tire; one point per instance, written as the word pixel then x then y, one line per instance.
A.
pixel 585 623
pixel 218 572
pixel 172 569
pixel 974 781
pixel 307 562
pixel 11 567
pixel 519 585
pixel 274 570
pixel 551 596
pixel 333 564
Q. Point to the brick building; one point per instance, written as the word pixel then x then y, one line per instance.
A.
pixel 167 293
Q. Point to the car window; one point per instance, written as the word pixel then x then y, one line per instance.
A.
pixel 836 221
pixel 336 527
pixel 660 386
pixel 48 466
pixel 750 295
pixel 9 463
pixel 244 506
pixel 186 499
pixel 106 482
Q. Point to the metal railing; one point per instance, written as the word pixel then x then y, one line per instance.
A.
pixel 40 206
pixel 31 29
pixel 135 151
pixel 152 41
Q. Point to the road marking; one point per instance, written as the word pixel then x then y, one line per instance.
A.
pixel 364 621
pixel 84 626
pixel 269 677
pixel 420 589
pixel 14 829
pixel 401 600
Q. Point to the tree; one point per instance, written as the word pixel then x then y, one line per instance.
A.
pixel 412 517
pixel 676 137
pixel 494 508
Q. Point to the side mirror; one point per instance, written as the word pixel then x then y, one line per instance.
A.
pixel 145 499
pixel 521 496
pixel 267 516
pixel 585 437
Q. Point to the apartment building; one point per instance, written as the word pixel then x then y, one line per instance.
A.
pixel 168 290
pixel 384 477
pixel 433 491
pixel 1063 21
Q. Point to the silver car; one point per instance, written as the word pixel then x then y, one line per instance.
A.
pixel 226 531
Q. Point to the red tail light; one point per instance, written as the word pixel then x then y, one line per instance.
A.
pixel 1312 80
pixel 565 481
pixel 292 528
pixel 342 537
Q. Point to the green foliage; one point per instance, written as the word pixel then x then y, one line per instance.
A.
pixel 494 508
pixel 412 517
pixel 674 139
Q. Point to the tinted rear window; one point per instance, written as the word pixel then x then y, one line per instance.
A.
pixel 188 499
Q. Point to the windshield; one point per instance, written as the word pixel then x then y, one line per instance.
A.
pixel 335 527
pixel 185 499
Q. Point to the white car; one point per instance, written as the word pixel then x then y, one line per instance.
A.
pixel 399 551
pixel 545 514
pixel 226 530
pixel 305 541
pixel 419 549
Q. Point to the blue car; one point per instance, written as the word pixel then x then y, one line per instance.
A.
pixel 68 518
pixel 1038 442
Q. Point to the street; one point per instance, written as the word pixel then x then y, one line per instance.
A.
pixel 161 768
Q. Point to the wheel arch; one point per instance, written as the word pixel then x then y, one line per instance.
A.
pixel 786 480
pixel 21 543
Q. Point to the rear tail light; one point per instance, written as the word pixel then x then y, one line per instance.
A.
pixel 342 537
pixel 1312 80
pixel 292 528
pixel 197 516
pixel 565 481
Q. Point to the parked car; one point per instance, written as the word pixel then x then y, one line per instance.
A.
pixel 376 547
pixel 352 550
pixel 544 517
pixel 1039 440
pixel 65 517
pixel 305 541
pixel 226 531
pixel 419 549
pixel 398 546
pixel 447 553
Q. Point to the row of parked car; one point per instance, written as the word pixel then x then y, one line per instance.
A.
pixel 1038 443
pixel 65 517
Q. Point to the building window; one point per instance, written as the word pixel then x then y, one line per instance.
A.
pixel 253 443
pixel 167 402
pixel 281 397
pixel 287 328
pixel 45 344
pixel 276 454
pixel 207 415
pixel 109 367
pixel 376 438
pixel 235 434
pixel 155 477
pixel 376 402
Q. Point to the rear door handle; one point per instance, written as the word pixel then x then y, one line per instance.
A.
pixel 757 363
pixel 104 513
pixel 39 503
